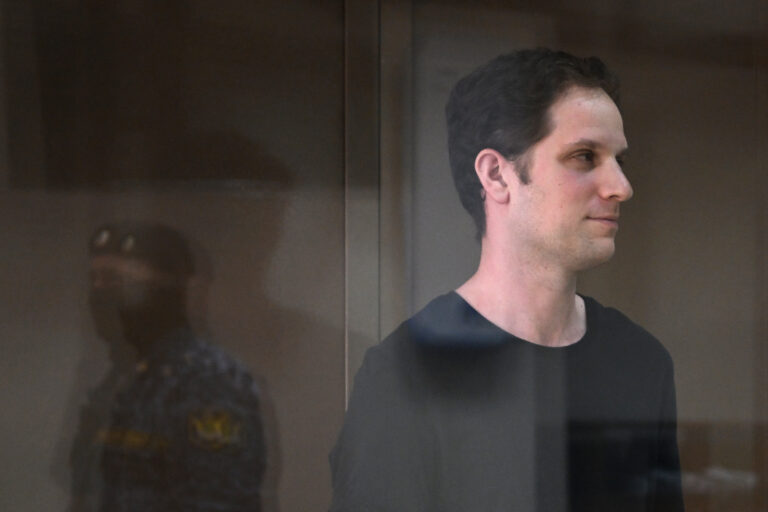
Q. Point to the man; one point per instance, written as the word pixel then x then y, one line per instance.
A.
pixel 514 392
pixel 180 428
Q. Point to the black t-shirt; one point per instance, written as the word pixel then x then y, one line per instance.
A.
pixel 451 413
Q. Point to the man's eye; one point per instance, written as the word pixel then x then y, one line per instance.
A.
pixel 586 156
pixel 620 161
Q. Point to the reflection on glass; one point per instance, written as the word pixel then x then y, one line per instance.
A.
pixel 514 392
pixel 175 424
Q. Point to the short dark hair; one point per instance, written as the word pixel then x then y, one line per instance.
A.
pixel 504 105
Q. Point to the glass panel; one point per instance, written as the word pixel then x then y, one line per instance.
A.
pixel 223 122
pixel 690 264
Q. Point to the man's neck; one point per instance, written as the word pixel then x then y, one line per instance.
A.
pixel 527 299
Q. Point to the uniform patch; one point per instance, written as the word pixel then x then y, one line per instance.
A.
pixel 131 439
pixel 214 429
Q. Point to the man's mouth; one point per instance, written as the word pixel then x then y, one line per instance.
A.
pixel 608 220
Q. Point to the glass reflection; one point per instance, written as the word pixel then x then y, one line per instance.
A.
pixel 176 422
pixel 515 392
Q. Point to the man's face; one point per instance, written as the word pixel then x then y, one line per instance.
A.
pixel 568 214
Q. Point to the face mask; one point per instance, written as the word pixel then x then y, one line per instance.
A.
pixel 129 307
pixel 105 305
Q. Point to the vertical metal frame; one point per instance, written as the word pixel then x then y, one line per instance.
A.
pixel 361 161
pixel 378 150
pixel 396 121
pixel 761 259
pixel 378 140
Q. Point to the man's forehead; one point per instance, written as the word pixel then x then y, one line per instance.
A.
pixel 587 117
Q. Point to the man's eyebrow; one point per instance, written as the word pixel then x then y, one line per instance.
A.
pixel 593 144
pixel 589 143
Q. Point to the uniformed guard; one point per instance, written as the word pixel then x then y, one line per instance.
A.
pixel 183 429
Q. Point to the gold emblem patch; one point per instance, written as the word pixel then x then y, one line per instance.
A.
pixel 131 439
pixel 214 429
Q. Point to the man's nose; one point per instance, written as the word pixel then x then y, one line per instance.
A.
pixel 615 184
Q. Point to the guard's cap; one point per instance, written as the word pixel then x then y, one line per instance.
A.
pixel 160 246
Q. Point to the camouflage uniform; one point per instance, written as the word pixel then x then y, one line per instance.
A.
pixel 85 453
pixel 185 434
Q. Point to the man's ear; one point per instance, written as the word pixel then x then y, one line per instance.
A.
pixel 488 166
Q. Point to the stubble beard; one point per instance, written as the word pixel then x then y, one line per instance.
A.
pixel 590 253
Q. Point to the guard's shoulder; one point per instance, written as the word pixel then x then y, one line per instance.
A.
pixel 196 367
pixel 205 356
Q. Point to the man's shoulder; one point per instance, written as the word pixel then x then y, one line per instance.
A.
pixel 447 326
pixel 434 324
pixel 621 332
pixel 448 322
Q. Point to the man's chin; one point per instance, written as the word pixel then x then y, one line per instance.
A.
pixel 597 254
